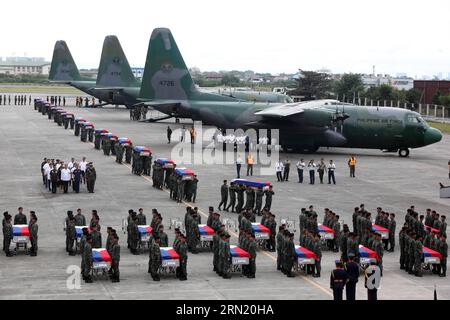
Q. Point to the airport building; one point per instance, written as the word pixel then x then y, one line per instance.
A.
pixel 24 65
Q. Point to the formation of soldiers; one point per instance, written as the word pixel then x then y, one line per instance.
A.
pixel 137 113
pixel 59 175
pixel 80 102
pixel 19 100
pixel 414 236
pixel 19 219
pixel 141 164
pixel 57 100
pixel 248 198
pixel 180 189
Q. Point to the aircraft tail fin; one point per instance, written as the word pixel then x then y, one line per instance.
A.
pixel 63 67
pixel 114 69
pixel 165 75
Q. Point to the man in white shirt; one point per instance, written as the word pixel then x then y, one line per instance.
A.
pixel 279 168
pixel 83 165
pixel 238 166
pixel 331 169
pixel 58 164
pixel 300 168
pixel 46 173
pixel 66 175
pixel 49 181
pixel 70 164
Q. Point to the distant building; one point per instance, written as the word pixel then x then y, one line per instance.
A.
pixel 402 83
pixel 213 76
pixel 371 81
pixel 138 73
pixel 428 88
pixel 24 65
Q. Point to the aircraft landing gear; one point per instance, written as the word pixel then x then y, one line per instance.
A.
pixel 403 152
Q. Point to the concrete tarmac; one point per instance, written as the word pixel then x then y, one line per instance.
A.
pixel 27 137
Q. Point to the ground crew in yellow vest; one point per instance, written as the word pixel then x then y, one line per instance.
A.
pixel 352 166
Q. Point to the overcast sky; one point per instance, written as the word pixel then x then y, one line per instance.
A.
pixel 264 36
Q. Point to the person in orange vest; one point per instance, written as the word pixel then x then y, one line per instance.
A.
pixel 352 166
pixel 250 162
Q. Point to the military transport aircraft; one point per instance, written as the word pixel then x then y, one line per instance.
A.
pixel 116 83
pixel 168 87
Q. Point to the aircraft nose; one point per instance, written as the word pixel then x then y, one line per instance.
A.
pixel 432 135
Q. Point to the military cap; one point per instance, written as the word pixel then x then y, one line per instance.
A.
pixel 351 255
pixel 338 263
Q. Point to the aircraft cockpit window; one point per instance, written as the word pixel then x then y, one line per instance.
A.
pixel 413 119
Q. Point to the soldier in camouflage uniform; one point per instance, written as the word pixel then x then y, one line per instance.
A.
pixel 71 236
pixel 154 261
pixel 193 191
pixel 83 134
pixel 250 198
pixel 97 140
pixel 279 244
pixel 290 256
pixel 7 235
pixel 317 250
pixel 225 256
pixel 183 253
pixel 106 145
pixel 272 225
pixel 164 239
pixel 115 257
pixel 240 197
pixel 418 256
pixel 232 196
pixel 134 234
pixel 194 235
pixel 87 260
pixel 378 248
pixel 96 237
pixel 411 253
pixel 251 249
pixel 180 189
pixel 216 239
pixel 33 228
pixel 258 201
pixel 141 218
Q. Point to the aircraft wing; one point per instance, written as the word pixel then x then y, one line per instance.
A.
pixel 282 111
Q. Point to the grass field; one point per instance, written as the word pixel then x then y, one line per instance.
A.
pixel 34 88
pixel 444 127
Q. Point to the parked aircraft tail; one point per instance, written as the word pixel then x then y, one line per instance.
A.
pixel 114 69
pixel 165 75
pixel 63 67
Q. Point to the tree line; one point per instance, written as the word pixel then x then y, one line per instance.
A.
pixel 315 85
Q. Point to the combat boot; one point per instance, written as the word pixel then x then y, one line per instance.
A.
pixel 316 275
pixel 88 279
